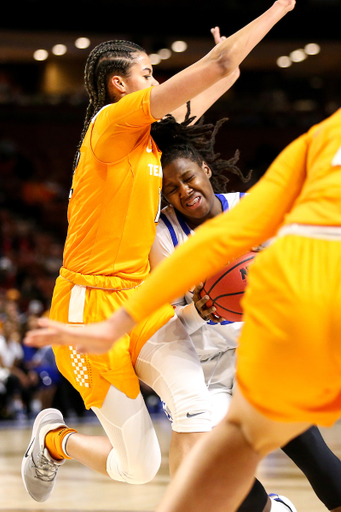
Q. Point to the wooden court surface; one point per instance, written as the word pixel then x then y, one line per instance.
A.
pixel 80 489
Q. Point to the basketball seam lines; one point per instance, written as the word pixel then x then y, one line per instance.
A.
pixel 226 295
pixel 225 273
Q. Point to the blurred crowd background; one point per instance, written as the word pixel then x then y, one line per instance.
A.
pixel 42 107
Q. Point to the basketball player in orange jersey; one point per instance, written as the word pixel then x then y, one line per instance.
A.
pixel 113 210
pixel 289 359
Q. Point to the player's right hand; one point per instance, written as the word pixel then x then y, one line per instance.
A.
pixel 201 307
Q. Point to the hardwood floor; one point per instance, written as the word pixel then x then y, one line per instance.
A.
pixel 80 489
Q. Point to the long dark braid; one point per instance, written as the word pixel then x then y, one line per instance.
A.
pixel 196 143
pixel 106 59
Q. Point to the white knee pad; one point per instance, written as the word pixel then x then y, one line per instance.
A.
pixel 189 413
pixel 169 364
pixel 141 472
pixel 136 455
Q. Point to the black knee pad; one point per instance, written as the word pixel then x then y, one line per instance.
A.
pixel 256 500
pixel 319 464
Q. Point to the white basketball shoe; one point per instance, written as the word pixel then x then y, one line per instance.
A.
pixel 281 504
pixel 38 468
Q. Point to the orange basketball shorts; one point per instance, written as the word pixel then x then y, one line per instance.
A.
pixel 76 302
pixel 289 358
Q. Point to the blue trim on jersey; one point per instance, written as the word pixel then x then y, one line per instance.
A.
pixel 224 201
pixel 185 228
pixel 224 322
pixel 168 225
pixel 242 194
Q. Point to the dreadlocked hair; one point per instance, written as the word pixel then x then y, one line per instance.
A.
pixel 196 142
pixel 105 60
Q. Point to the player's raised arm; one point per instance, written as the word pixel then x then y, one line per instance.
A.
pixel 201 103
pixel 220 62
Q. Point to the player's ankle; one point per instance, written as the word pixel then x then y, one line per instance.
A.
pixel 56 440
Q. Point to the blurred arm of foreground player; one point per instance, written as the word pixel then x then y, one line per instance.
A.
pixel 255 219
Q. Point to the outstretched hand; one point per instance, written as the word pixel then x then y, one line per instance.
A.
pixel 216 35
pixel 96 338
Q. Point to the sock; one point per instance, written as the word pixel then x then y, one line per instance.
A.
pixel 55 442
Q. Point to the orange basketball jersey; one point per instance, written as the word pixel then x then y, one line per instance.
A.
pixel 115 194
pixel 113 210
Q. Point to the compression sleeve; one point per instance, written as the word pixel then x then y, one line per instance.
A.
pixel 228 236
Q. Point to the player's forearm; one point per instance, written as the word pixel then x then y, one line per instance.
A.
pixel 120 323
pixel 190 318
pixel 201 103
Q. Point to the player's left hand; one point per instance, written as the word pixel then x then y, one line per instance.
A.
pixel 95 338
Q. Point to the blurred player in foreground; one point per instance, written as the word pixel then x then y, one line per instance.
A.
pixel 291 317
pixel 194 186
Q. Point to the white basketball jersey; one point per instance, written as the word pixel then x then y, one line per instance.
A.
pixel 209 338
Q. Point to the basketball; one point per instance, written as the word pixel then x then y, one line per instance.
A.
pixel 227 287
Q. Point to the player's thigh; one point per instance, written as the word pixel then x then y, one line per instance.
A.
pixel 220 397
pixel 219 372
pixel 92 375
pixel 261 432
pixel 286 357
pixel 169 364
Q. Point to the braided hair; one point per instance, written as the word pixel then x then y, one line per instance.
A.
pixel 195 142
pixel 105 60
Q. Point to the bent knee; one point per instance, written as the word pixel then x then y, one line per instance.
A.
pixel 259 441
pixel 261 433
pixel 141 476
pixel 135 472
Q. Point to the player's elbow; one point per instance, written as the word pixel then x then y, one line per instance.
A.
pixel 225 61
pixel 236 73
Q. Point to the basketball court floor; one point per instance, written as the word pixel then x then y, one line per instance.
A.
pixel 79 489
